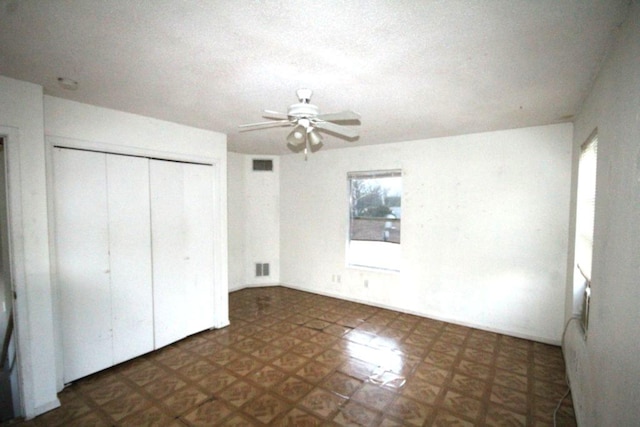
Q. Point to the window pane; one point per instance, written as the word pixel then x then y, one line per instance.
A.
pixel 375 218
pixel 375 207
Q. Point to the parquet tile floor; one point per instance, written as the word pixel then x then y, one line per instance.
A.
pixel 291 358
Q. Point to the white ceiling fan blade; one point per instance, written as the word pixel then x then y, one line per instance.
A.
pixel 270 114
pixel 264 125
pixel 340 130
pixel 336 117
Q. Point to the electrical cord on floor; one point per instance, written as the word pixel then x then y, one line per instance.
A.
pixel 564 396
pixel 566 376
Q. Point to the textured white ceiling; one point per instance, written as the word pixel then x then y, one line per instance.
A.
pixel 413 69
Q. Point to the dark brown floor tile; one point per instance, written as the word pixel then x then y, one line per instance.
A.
pixel 268 376
pixel 286 342
pixel 331 357
pixel 439 359
pixel 218 380
pixel 322 403
pixel 314 372
pixel 469 386
pixel 249 345
pixel 293 388
pixel 197 370
pixel 126 405
pixel 308 349
pixel 513 352
pixel 107 392
pixel 359 337
pixel 268 353
pixel 298 418
pixel 421 391
pixel 373 396
pixel 290 362
pixel 478 356
pixel 500 416
pixel 511 380
pixel 176 358
pixel 244 365
pixel 549 374
pixel 462 405
pixel 150 416
pixel 164 386
pixel 426 372
pixel 357 368
pixel 303 333
pixel 342 384
pixel 409 411
pixel 509 398
pixel 266 407
pixel 91 419
pixel 520 367
pixel 209 413
pixel 324 339
pixel 446 347
pixel 445 418
pixel 453 337
pixel 224 356
pixel 473 369
pixel 354 414
pixel 239 393
pixel 184 400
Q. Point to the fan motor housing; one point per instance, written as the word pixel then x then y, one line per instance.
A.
pixel 303 110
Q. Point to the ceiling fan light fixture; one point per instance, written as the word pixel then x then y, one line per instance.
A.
pixel 307 120
pixel 314 138
pixel 297 136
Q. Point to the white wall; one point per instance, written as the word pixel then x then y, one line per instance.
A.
pixel 262 220
pixel 604 370
pixel 484 228
pixel 254 204
pixel 114 131
pixel 21 116
pixel 236 224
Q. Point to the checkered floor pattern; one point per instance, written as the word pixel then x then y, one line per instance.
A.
pixel 292 358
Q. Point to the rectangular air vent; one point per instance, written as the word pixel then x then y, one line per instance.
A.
pixel 262 164
pixel 262 269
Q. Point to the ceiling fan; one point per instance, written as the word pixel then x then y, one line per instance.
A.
pixel 307 120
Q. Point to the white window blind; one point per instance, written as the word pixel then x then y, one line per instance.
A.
pixel 585 209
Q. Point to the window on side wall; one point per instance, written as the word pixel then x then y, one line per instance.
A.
pixel 375 218
pixel 585 212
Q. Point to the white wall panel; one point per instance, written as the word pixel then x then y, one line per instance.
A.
pixel 484 228
pixel 604 368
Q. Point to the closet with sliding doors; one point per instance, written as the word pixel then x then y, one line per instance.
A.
pixel 134 254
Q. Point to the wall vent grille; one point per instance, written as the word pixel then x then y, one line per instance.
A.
pixel 262 269
pixel 263 165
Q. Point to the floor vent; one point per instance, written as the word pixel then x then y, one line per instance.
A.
pixel 262 269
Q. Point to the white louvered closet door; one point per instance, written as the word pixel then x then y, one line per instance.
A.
pixel 182 246
pixel 103 239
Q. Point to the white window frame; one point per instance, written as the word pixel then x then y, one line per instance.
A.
pixel 585 215
pixel 376 255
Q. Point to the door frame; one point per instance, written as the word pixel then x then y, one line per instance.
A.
pixel 17 268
